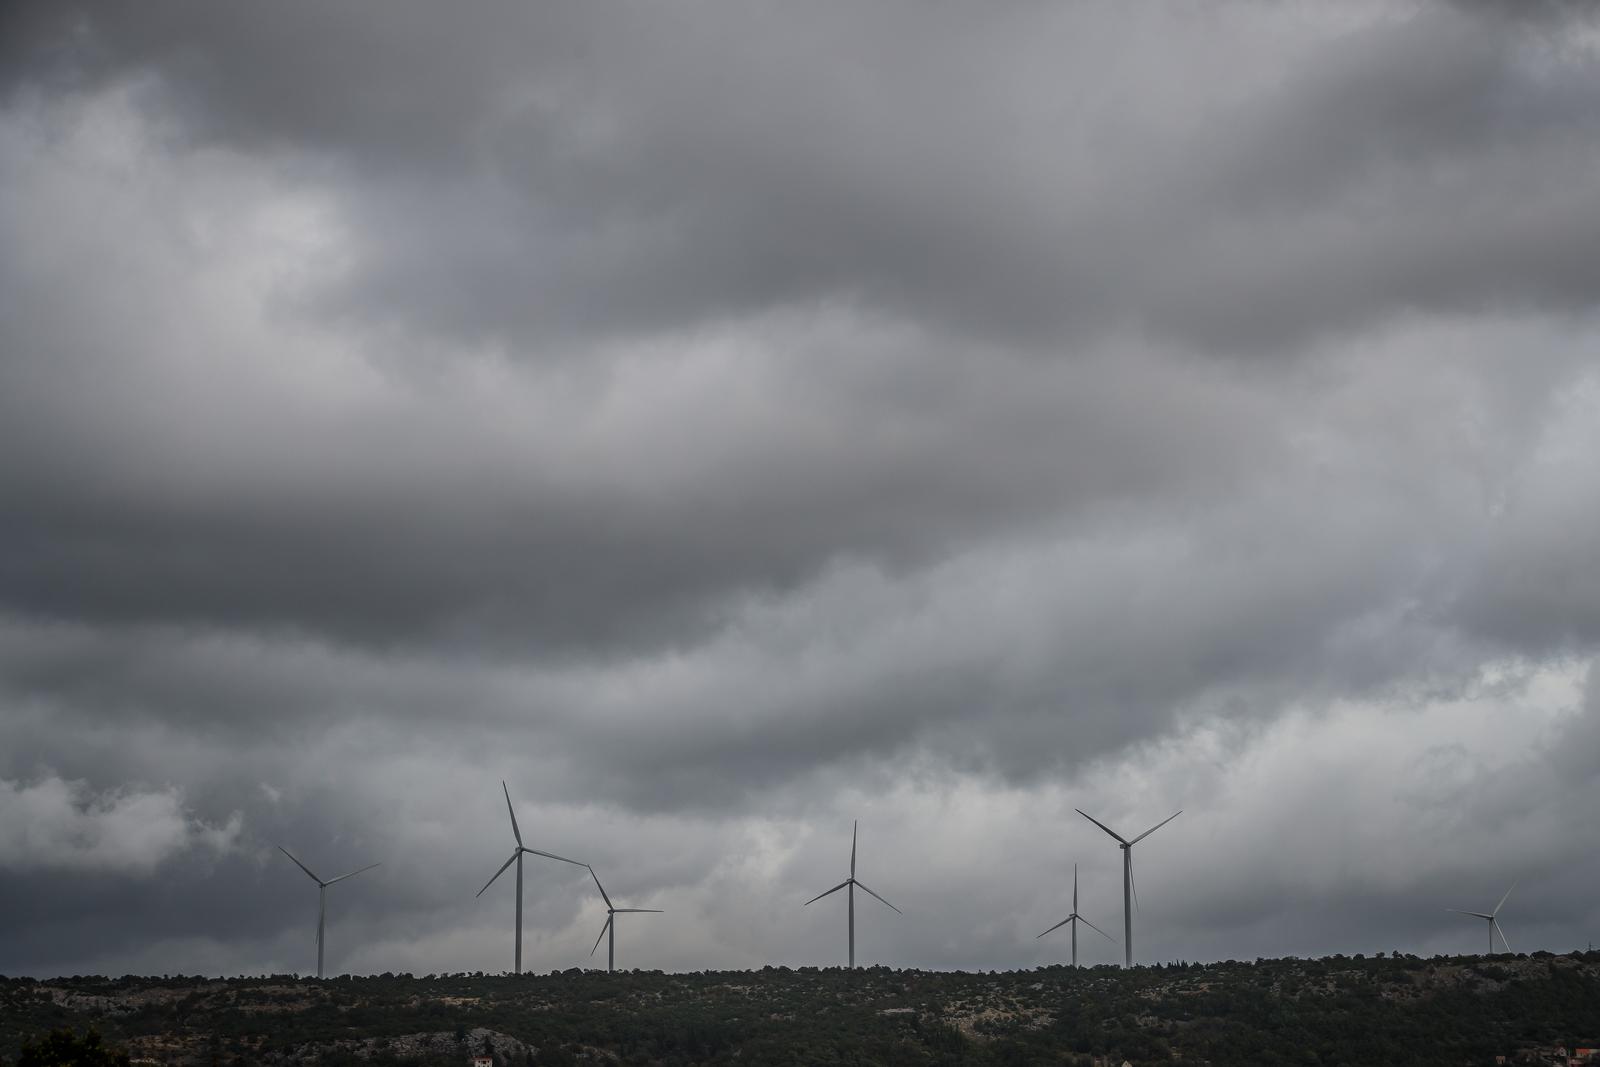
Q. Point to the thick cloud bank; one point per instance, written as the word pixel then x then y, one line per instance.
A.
pixel 55 825
pixel 724 423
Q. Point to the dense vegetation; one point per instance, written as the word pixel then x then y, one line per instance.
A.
pixel 65 1048
pixel 1389 1010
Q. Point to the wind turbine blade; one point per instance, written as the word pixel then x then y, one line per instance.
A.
pixel 302 866
pixel 1156 827
pixel 1102 825
pixel 638 911
pixel 501 871
pixel 352 874
pixel 1095 928
pixel 1474 914
pixel 602 889
pixel 853 827
pixel 1503 899
pixel 603 930
pixel 835 889
pixel 1496 924
pixel 553 856
pixel 1133 883
pixel 897 910
pixel 515 832
pixel 1057 926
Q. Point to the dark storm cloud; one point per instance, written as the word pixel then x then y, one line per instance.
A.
pixel 629 169
pixel 725 423
pixel 615 508
pixel 953 189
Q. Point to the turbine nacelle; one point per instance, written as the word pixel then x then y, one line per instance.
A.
pixel 322 896
pixel 853 883
pixel 1130 894
pixel 612 911
pixel 1075 918
pixel 330 881
pixel 516 857
pixel 1493 919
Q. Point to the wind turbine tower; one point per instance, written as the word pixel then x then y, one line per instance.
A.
pixel 322 897
pixel 1494 923
pixel 1130 896
pixel 1075 919
pixel 611 923
pixel 852 883
pixel 516 857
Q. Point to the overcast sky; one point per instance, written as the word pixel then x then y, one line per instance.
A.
pixel 724 421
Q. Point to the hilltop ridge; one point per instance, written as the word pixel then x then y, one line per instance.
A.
pixel 1356 1010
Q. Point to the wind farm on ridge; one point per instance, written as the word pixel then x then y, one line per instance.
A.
pixel 1054 1013
pixel 608 930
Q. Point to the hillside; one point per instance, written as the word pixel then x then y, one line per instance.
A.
pixel 1389 1010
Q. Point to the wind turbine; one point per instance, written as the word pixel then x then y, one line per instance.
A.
pixel 610 927
pixel 1075 919
pixel 852 884
pixel 322 897
pixel 516 857
pixel 1494 924
pixel 1130 896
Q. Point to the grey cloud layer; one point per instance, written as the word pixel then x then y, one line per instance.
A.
pixel 1235 178
pixel 720 423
